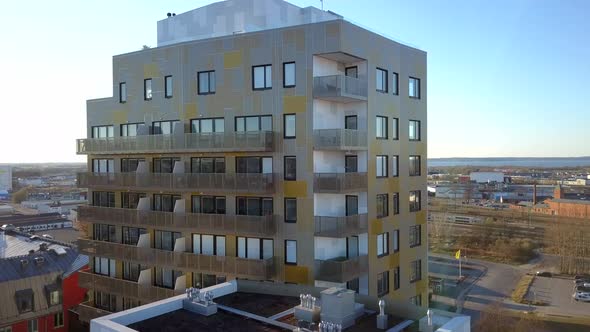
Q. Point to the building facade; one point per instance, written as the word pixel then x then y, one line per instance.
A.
pixel 6 178
pixel 284 147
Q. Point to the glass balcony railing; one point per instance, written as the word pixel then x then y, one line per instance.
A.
pixel 340 227
pixel 340 88
pixel 341 270
pixel 339 182
pixel 339 139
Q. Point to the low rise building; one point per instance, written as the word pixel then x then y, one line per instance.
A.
pixel 486 177
pixel 569 205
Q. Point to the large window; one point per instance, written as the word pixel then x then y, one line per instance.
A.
pixel 351 164
pixel 396 280
pixel 104 266
pixel 416 300
pixel 203 280
pixel 131 271
pixel 163 127
pixel 54 297
pixel 288 74
pixel 104 232
pixel 254 248
pixel 395 241
pixel 254 123
pixel 147 89
pixel 289 126
pixel 165 202
pixel 103 131
pixel 164 165
pixel 415 236
pixel 208 204
pixel 206 82
pixel 414 127
pixel 395 129
pixel 262 77
pixel 351 122
pixel 254 206
pixel 382 283
pixel 415 204
pixel 415 270
pixel 208 165
pixel 395 203
pixel 415 166
pixel 382 244
pixel 131 234
pixel 395 166
pixel 381 82
pixel 58 319
pixel 213 125
pixel 291 252
pixel 33 325
pixel 165 240
pixel 103 165
pixel 290 168
pixel 24 300
pixel 103 198
pixel 166 278
pixel 122 92
pixel 382 205
pixel 291 210
pixel 130 129
pixel 381 166
pixel 254 165
pixel 414 86
pixel 130 164
pixel 105 301
pixel 168 87
pixel 395 83
pixel 212 245
pixel 381 127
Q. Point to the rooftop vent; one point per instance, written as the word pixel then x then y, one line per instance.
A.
pixel 43 246
pixel 39 261
pixel 32 251
pixel 24 263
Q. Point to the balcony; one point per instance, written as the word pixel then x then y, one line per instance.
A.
pixel 222 224
pixel 86 312
pixel 341 270
pixel 210 182
pixel 340 88
pixel 335 183
pixel 339 139
pixel 125 288
pixel 189 142
pixel 340 227
pixel 259 269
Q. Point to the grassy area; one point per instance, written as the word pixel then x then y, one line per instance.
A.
pixel 519 293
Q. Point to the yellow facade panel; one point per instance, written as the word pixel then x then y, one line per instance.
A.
pixel 295 189
pixel 151 70
pixel 296 274
pixel 232 59
pixel 294 104
pixel 120 117
pixel 190 111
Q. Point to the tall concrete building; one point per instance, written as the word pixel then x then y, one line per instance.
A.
pixel 258 141
pixel 5 178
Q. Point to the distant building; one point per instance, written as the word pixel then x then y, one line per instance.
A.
pixel 457 191
pixel 575 182
pixel 4 195
pixel 36 222
pixel 487 177
pixel 568 206
pixel 38 283
pixel 5 178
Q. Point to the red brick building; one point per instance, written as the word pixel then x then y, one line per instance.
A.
pixel 567 207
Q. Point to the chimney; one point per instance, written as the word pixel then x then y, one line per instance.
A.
pixel 534 194
pixel 558 192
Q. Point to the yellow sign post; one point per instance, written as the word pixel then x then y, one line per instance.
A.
pixel 458 256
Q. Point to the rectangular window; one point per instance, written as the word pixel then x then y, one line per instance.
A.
pixel 6 329
pixel 381 80
pixel 415 270
pixel 130 129
pixel 381 166
pixel 290 168
pixel 165 240
pixel 396 282
pixel 130 164
pixel 381 127
pixel 254 123
pixel 208 165
pixel 254 165
pixel 206 82
pixel 262 77
pixel 395 203
pixel 131 235
pixel 58 319
pixel 166 278
pixel 415 204
pixel 291 252
pixel 103 131
pixel 103 165
pixel 208 204
pixel 24 300
pixel 103 198
pixel 122 92
pixel 415 166
pixel 104 266
pixel 54 298
pixel 290 210
pixel 350 164
pixel 104 232
pixel 165 202
pixel 395 83
pixel 211 245
pixel 288 74
pixel 213 125
pixel 147 89
pixel 382 283
pixel 254 248
pixel 289 126
pixel 415 236
pixel 414 86
pixel 105 301
pixel 416 300
pixel 254 206
pixel 33 325
pixel 131 271
pixel 164 165
pixel 382 205
pixel 168 86
pixel 395 241
pixel 163 127
pixel 351 71
pixel 351 122
pixel 414 130
pixel 382 244
pixel 395 166
pixel 395 131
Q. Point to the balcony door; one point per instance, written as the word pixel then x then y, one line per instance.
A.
pixel 350 164
pixel 352 71
pixel 352 205
pixel 351 122
pixel 352 247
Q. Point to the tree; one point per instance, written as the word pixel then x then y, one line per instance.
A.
pixel 20 195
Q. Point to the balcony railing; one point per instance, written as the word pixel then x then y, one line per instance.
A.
pixel 125 288
pixel 341 270
pixel 86 312
pixel 262 269
pixel 189 142
pixel 197 222
pixel 339 182
pixel 339 139
pixel 211 182
pixel 340 88
pixel 340 226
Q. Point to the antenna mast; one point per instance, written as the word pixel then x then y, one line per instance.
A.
pixel 322 1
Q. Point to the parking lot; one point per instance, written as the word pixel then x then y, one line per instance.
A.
pixel 557 293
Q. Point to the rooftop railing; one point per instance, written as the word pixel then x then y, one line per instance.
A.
pixel 341 270
pixel 340 227
pixel 340 88
pixel 339 139
pixel 339 182
pixel 87 312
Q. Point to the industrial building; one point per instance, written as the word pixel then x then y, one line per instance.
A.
pixel 260 141
pixel 5 178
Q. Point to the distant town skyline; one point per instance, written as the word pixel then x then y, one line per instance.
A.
pixel 505 78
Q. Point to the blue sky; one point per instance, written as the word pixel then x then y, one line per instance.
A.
pixel 505 77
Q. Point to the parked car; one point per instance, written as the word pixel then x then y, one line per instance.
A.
pixel 578 277
pixel 544 274
pixel 582 282
pixel 582 289
pixel 581 296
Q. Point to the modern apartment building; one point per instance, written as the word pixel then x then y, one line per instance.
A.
pixel 258 141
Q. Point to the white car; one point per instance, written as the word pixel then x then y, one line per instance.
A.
pixel 582 296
